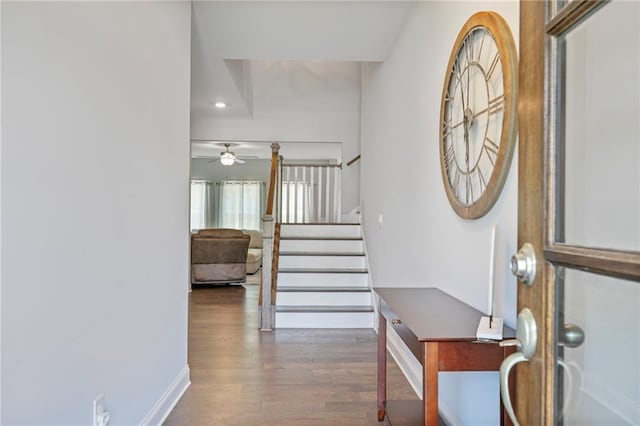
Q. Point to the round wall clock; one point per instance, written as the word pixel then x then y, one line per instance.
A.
pixel 478 114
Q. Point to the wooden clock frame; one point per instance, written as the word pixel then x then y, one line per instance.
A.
pixel 498 28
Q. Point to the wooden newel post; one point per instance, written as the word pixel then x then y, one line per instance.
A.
pixel 266 304
pixel 275 149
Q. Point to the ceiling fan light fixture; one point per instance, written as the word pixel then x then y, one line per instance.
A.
pixel 227 158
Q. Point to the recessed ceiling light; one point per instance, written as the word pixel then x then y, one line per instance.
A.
pixel 221 104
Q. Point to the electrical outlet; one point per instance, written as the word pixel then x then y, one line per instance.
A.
pixel 99 411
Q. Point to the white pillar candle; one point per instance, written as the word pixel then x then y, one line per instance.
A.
pixel 492 267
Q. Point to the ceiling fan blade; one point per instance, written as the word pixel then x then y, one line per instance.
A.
pixel 239 161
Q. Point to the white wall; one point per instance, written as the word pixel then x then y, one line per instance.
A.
pixel 0 211
pixel 300 101
pixel 95 178
pixel 423 242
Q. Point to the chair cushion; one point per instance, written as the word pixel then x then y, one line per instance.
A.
pixel 256 238
pixel 254 255
pixel 219 232
pixel 219 250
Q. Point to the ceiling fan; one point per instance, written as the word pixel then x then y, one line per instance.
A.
pixel 227 158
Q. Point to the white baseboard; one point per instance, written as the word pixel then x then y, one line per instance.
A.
pixel 447 415
pixel 168 400
pixel 412 370
pixel 409 365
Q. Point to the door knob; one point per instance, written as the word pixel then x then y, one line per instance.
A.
pixel 523 264
pixel 571 336
pixel 526 340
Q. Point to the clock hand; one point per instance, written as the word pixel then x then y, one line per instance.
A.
pixel 466 141
pixel 481 112
pixel 495 105
pixel 461 80
pixel 466 154
pixel 468 79
pixel 450 129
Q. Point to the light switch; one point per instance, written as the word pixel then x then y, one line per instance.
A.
pixel 380 220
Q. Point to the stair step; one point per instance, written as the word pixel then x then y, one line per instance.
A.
pixel 322 279
pixel 324 317
pixel 327 308
pixel 324 289
pixel 341 230
pixel 316 261
pixel 322 245
pixel 318 253
pixel 320 239
pixel 322 271
pixel 321 223
pixel 323 298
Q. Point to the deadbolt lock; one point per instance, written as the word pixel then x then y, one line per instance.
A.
pixel 523 264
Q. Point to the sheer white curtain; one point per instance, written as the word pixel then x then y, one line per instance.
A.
pixel 202 204
pixel 241 204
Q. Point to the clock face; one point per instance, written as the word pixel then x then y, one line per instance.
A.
pixel 478 115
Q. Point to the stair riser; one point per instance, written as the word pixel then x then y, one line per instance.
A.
pixel 325 231
pixel 351 218
pixel 295 279
pixel 307 298
pixel 324 262
pixel 322 246
pixel 324 320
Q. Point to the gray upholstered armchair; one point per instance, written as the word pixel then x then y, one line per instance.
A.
pixel 219 256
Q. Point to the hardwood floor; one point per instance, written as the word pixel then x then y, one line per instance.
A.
pixel 241 376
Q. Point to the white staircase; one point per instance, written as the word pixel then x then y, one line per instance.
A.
pixel 322 277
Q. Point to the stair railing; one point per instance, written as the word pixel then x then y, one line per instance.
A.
pixel 270 246
pixel 353 160
pixel 310 193
pixel 298 193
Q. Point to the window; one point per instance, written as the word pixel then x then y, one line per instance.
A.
pixel 241 204
pixel 202 205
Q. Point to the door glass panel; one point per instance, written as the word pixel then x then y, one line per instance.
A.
pixel 602 129
pixel 601 377
pixel 556 6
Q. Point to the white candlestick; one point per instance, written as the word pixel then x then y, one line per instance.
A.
pixel 492 268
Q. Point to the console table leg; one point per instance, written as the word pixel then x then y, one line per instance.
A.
pixel 430 383
pixel 382 366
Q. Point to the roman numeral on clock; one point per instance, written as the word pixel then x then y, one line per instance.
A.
pixel 483 180
pixel 493 66
pixel 492 150
pixel 456 183
pixel 496 104
pixel 449 156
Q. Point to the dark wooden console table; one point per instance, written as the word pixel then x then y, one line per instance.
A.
pixel 440 331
